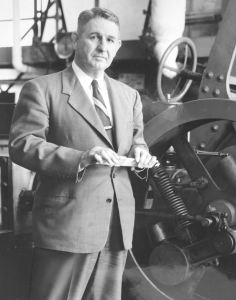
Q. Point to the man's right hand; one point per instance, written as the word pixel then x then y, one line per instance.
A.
pixel 100 155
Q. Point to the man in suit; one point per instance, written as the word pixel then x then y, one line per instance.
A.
pixel 65 127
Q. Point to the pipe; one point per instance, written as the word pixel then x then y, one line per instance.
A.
pixel 167 22
pixel 16 49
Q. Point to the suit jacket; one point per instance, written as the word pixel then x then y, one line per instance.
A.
pixel 53 125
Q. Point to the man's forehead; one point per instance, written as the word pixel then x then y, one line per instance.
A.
pixel 100 25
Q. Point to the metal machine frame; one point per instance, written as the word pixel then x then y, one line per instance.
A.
pixel 213 108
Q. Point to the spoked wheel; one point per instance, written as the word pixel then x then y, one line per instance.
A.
pixel 160 265
pixel 175 96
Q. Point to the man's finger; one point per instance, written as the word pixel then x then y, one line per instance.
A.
pixel 98 158
pixel 145 157
pixel 147 161
pixel 109 156
pixel 137 154
pixel 153 161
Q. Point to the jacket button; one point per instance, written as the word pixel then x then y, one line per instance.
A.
pixel 114 175
pixel 108 200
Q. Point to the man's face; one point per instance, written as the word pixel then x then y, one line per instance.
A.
pixel 97 45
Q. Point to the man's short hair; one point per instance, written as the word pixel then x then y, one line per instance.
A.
pixel 96 12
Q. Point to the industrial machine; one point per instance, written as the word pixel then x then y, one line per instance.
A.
pixel 185 230
pixel 185 215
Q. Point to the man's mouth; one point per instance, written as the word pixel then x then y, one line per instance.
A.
pixel 98 56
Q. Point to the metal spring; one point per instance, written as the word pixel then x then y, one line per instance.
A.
pixel 169 194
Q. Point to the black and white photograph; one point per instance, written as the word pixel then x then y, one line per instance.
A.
pixel 117 150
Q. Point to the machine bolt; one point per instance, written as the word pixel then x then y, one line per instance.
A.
pixel 224 215
pixel 4 184
pixel 215 128
pixel 223 227
pixel 202 146
pixel 209 75
pixel 5 209
pixel 216 93
pixel 168 97
pixel 220 78
pixel 205 89
pixel 215 262
pixel 206 222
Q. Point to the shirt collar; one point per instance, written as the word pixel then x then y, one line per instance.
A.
pixel 87 80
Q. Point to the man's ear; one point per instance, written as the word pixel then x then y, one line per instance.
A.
pixel 119 45
pixel 74 37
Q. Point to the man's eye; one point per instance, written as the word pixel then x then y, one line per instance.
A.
pixel 94 37
pixel 110 40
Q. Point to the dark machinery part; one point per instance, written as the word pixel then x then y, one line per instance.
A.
pixel 168 216
pixel 170 260
pixel 170 264
pixel 26 200
pixel 167 190
pixel 26 197
pixel 227 167
pixel 174 259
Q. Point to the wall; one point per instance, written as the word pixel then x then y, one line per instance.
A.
pixel 130 13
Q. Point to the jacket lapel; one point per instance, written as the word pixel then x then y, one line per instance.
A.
pixel 80 102
pixel 118 112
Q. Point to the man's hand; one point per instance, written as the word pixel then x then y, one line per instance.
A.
pixel 143 158
pixel 100 155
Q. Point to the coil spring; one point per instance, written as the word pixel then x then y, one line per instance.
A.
pixel 169 194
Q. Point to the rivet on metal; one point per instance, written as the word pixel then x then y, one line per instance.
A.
pixel 220 78
pixel 209 75
pixel 215 128
pixel 205 89
pixel 202 146
pixel 216 93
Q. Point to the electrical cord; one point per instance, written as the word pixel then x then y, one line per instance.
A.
pixel 145 276
pixel 152 284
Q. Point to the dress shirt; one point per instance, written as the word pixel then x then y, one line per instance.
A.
pixel 86 81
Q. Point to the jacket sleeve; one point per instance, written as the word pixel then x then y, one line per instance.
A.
pixel 28 145
pixel 138 139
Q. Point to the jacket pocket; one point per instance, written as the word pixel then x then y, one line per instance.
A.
pixel 53 187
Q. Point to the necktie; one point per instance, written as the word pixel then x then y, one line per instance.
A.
pixel 102 111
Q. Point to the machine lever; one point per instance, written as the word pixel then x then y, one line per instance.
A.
pixel 206 222
pixel 208 153
pixel 186 74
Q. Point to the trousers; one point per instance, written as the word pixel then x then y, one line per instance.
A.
pixel 59 275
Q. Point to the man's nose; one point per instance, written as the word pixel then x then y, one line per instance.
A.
pixel 102 46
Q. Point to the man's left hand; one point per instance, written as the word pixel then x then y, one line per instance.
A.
pixel 143 158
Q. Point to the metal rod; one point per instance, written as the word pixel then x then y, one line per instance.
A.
pixel 191 75
pixel 208 153
pixel 169 216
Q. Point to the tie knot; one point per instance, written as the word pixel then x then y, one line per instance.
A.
pixel 95 84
